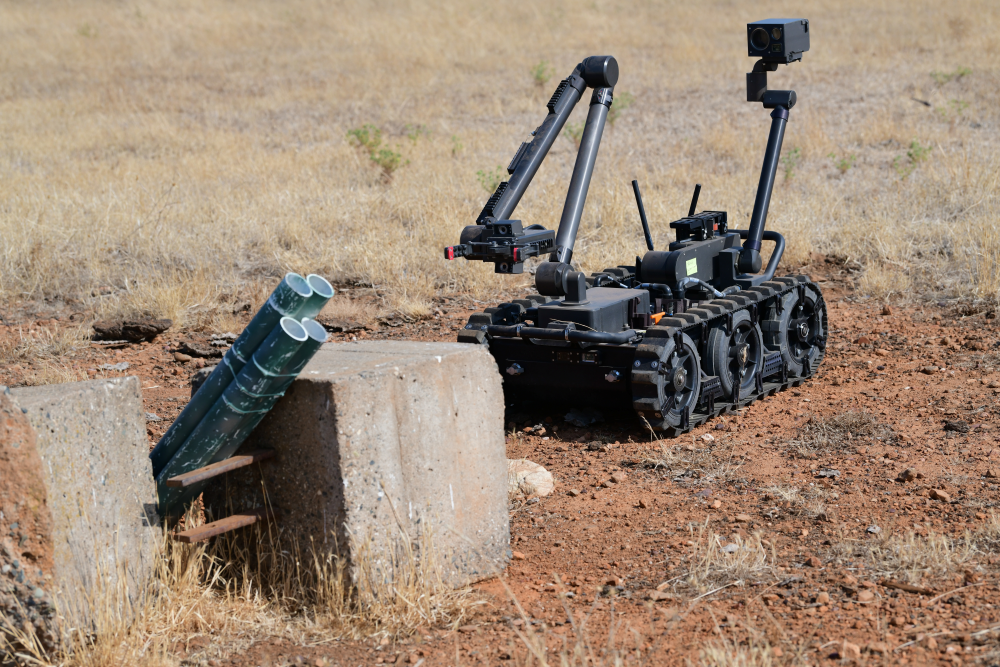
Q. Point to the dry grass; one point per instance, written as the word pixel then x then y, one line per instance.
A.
pixel 49 372
pixel 688 461
pixel 181 153
pixel 726 654
pixel 810 502
pixel 42 343
pixel 914 559
pixel 825 435
pixel 926 559
pixel 717 562
pixel 621 644
pixel 251 581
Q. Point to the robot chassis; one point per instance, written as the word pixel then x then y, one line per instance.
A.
pixel 684 334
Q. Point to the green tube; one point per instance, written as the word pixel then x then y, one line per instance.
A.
pixel 286 300
pixel 237 411
pixel 322 292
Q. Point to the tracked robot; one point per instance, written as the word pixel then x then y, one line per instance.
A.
pixel 685 333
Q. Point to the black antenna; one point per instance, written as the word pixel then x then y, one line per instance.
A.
pixel 642 214
pixel 694 199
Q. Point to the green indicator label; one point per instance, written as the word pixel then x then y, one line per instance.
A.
pixel 692 266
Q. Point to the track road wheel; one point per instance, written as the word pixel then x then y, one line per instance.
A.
pixel 736 356
pixel 666 381
pixel 795 325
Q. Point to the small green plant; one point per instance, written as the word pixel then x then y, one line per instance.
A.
pixel 542 72
pixel 621 102
pixel 456 145
pixel 791 161
pixel 843 163
pixel 490 178
pixel 414 132
pixel 944 77
pixel 368 139
pixel 953 110
pixel 914 156
pixel 87 30
pixel 574 132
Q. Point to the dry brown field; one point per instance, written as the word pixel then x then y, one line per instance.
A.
pixel 174 159
pixel 169 158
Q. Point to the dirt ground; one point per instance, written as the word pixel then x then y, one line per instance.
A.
pixel 806 484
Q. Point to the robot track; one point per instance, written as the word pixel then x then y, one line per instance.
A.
pixel 745 347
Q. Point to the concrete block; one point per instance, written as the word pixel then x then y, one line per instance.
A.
pixel 378 435
pixel 99 489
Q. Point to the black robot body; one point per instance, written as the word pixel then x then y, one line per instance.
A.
pixel 682 334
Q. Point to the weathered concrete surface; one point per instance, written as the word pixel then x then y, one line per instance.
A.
pixel 99 489
pixel 25 530
pixel 379 435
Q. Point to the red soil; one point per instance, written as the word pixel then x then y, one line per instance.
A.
pixel 613 543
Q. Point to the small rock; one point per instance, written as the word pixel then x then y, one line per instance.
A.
pixel 574 492
pixel 938 494
pixel 850 580
pixel 812 561
pixel 121 366
pixel 958 426
pixel 517 555
pixel 658 596
pixel 704 493
pixel 897 621
pixel 931 644
pixel 823 598
pixel 886 310
pixel 181 357
pixel 878 647
pixel 583 417
pixel 133 330
pixel 993 473
pixel 618 477
pixel 528 479
pixel 971 577
pixel 194 349
pixel 848 651
pixel 873 530
pixel 708 437
pixel 605 484
pixel 716 504
pixel 642 504
pixel 863 340
pixel 865 596
pixel 907 475
pixel 150 417
pixel 720 427
pixel 467 629
pixel 828 472
pixel 743 518
pixel 929 370
pixel 730 548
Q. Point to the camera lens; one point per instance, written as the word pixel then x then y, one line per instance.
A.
pixel 759 39
pixel 776 33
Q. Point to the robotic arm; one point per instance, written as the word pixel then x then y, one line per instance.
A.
pixel 507 243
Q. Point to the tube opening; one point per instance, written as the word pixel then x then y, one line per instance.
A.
pixel 315 330
pixel 320 285
pixel 298 284
pixel 294 330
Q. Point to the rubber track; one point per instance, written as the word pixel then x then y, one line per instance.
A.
pixel 644 391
